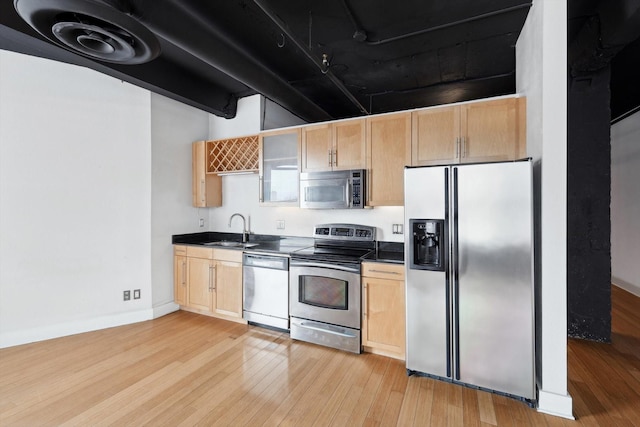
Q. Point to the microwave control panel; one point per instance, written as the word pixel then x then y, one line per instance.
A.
pixel 356 188
pixel 357 200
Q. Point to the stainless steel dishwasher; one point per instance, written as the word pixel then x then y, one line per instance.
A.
pixel 265 282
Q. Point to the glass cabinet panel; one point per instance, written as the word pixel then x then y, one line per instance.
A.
pixel 279 167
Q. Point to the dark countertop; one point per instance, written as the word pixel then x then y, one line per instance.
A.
pixel 391 252
pixel 265 243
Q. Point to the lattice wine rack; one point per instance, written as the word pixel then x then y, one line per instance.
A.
pixel 233 155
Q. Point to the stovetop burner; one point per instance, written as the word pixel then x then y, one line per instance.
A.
pixel 340 242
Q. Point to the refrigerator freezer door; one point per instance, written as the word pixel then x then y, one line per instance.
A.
pixel 494 293
pixel 427 295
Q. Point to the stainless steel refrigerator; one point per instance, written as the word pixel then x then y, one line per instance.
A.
pixel 469 275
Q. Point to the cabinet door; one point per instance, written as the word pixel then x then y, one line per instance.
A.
pixel 180 279
pixel 349 145
pixel 200 283
pixel 279 167
pixel 388 152
pixel 229 288
pixel 383 324
pixel 492 130
pixel 435 136
pixel 206 188
pixel 316 148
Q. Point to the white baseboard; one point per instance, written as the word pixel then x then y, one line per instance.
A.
pixel 10 339
pixel 559 405
pixel 634 289
pixel 164 309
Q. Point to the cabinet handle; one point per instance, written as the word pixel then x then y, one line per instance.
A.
pixel 184 273
pixel 212 286
pixel 385 272
pixel 457 147
pixel 464 147
pixel 364 305
pixel 261 188
pixel 335 157
pixel 202 191
pixel 330 158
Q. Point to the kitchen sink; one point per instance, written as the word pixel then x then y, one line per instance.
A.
pixel 231 244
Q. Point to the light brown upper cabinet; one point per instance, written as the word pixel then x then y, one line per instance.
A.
pixel 388 152
pixel 279 167
pixel 334 146
pixel 473 132
pixel 206 187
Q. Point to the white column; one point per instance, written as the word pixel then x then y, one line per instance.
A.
pixel 541 57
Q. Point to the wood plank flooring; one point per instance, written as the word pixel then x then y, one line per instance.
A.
pixel 185 369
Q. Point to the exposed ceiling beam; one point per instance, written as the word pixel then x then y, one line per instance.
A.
pixel 188 29
pixel 158 76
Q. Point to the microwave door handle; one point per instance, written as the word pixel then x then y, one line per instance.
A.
pixel 348 198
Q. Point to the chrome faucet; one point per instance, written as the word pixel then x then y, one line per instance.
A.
pixel 245 230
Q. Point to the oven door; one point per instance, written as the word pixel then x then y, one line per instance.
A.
pixel 325 293
pixel 327 193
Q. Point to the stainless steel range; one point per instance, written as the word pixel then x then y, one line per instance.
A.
pixel 324 286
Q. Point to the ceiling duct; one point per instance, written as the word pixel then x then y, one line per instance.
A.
pixel 91 29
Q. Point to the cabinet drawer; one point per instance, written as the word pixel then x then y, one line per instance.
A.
pixel 179 250
pixel 227 255
pixel 383 270
pixel 198 252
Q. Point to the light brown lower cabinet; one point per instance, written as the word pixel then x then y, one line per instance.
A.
pixel 228 280
pixel 383 309
pixel 180 274
pixel 209 281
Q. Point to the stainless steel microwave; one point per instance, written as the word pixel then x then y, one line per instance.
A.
pixel 333 189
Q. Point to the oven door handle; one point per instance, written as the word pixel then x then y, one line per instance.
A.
pixel 321 265
pixel 319 329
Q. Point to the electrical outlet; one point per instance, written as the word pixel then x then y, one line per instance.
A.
pixel 136 294
pixel 127 295
pixel 201 222
pixel 280 224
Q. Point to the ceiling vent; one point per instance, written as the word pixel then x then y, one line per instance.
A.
pixel 91 28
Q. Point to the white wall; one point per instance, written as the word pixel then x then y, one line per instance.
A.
pixel 75 200
pixel 541 74
pixel 246 121
pixel 173 127
pixel 625 203
pixel 298 222
pixel 95 177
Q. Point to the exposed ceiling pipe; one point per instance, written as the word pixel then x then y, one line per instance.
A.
pixel 450 82
pixel 320 63
pixel 359 34
pixel 449 24
pixel 186 28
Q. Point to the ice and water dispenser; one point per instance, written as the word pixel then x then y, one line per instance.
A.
pixel 428 244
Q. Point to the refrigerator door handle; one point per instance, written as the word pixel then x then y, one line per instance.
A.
pixel 447 269
pixel 455 273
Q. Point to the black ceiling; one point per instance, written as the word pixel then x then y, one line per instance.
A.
pixel 320 59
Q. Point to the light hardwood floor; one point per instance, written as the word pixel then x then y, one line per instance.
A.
pixel 187 369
